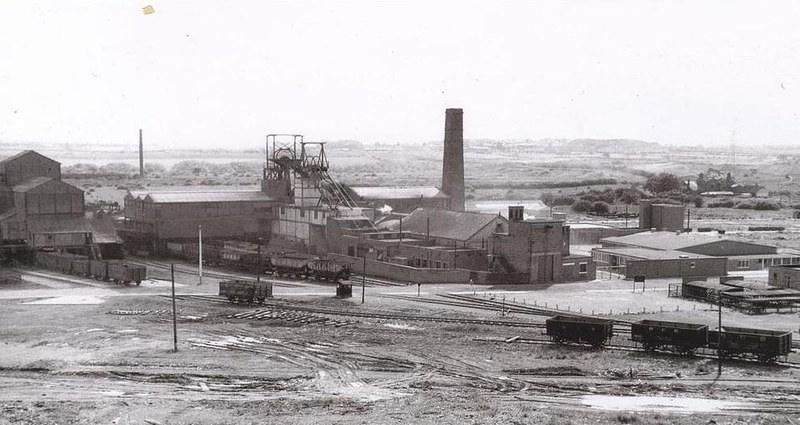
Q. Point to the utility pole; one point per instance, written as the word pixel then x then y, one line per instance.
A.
pixel 258 267
pixel 174 312
pixel 200 252
pixel 719 333
pixel 688 223
pixel 364 279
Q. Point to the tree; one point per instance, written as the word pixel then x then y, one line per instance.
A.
pixel 600 207
pixel 582 206
pixel 662 182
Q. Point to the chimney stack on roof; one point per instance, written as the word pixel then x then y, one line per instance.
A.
pixel 516 213
pixel 141 155
pixel 453 166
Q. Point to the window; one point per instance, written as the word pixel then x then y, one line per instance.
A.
pixel 302 212
pixel 438 264
pixel 583 268
pixel 283 210
pixel 743 264
pixel 315 214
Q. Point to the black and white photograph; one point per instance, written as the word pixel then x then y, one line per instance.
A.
pixel 399 212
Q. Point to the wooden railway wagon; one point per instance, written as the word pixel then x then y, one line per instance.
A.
pixel 329 270
pixel 588 330
pixel 246 291
pixel 762 344
pixel 290 265
pixel 249 263
pixel 110 270
pixel 676 336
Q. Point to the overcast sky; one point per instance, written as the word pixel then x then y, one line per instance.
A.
pixel 201 73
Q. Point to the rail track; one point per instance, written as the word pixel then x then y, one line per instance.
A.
pixel 466 301
pixel 375 315
pixel 184 269
pixel 622 347
pixel 355 280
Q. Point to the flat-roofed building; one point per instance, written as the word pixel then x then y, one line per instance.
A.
pixel 402 199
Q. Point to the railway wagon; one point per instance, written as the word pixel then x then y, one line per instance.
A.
pixel 329 270
pixel 675 336
pixel 762 344
pixel 246 291
pixel 290 265
pixel 98 269
pixel 589 330
pixel 54 262
pixel 115 270
pixel 249 262
pixel 122 272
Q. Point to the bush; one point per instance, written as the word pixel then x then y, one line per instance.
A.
pixel 600 207
pixel 727 203
pixel 744 206
pixel 582 206
pixel 698 201
pixel 767 206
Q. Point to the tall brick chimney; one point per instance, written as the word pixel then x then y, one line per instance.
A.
pixel 453 167
pixel 141 155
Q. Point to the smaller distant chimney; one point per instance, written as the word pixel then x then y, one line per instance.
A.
pixel 516 213
pixel 141 155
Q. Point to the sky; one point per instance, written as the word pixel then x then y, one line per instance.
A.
pixel 210 74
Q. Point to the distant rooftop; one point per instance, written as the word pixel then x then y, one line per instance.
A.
pixel 651 254
pixel 397 192
pixel 665 240
pixel 177 197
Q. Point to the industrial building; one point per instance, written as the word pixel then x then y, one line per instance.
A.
pixel 687 254
pixel 425 235
pixel 437 245
pixel 39 210
pixel 151 219
pixel 661 217
pixel 785 276
pixel 400 199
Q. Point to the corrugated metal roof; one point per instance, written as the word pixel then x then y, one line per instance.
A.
pixel 666 240
pixel 446 224
pixel 175 197
pixel 397 192
pixel 651 254
pixel 32 184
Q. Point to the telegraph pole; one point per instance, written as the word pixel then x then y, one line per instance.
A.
pixel 174 312
pixel 258 267
pixel 719 334
pixel 364 280
pixel 200 252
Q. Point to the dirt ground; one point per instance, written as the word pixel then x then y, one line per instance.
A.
pixel 76 351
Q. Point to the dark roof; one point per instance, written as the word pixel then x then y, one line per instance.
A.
pixel 11 158
pixel 397 192
pixel 176 197
pixel 446 224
